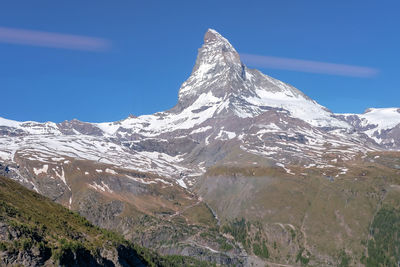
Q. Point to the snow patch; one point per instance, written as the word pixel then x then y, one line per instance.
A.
pixel 286 169
pixel 201 129
pixel 103 187
pixel 62 177
pixel 110 171
pixel 41 170
pixel 140 180
pixel 181 183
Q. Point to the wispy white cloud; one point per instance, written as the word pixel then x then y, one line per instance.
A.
pixel 308 66
pixel 55 40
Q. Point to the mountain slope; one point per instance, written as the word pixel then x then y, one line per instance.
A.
pixel 316 217
pixel 35 231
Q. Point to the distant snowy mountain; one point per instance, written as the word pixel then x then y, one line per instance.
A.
pixel 223 108
pixel 380 124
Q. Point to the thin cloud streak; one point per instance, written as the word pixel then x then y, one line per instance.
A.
pixel 53 40
pixel 308 66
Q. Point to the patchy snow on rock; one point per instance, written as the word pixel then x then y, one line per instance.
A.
pixel 62 177
pixel 41 170
pixel 150 125
pixel 181 183
pixel 286 169
pixel 103 187
pixel 201 129
pixel 140 180
pixel 310 165
pixel 111 171
pixel 163 181
pixel 57 158
pixel 225 135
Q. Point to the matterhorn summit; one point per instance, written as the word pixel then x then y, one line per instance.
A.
pixel 217 67
pixel 219 78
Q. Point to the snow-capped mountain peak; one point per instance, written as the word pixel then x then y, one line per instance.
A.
pixel 217 52
pixel 221 77
pixel 380 124
pixel 217 62
pixel 224 109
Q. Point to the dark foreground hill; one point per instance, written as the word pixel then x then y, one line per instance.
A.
pixel 34 231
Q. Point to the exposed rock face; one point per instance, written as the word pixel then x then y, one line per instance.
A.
pixel 205 255
pixel 77 127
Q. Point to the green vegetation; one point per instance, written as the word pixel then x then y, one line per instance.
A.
pixel 310 211
pixel 238 230
pixel 344 259
pixel 292 233
pixel 261 250
pixel 384 247
pixel 241 231
pixel 301 258
pixel 62 237
pixel 200 214
pixel 175 260
pixel 214 236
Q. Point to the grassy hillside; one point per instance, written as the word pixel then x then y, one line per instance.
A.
pixel 35 231
pixel 146 209
pixel 315 217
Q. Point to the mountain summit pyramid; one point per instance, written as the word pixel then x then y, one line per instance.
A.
pixel 220 78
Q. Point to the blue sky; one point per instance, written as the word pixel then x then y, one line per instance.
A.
pixel 152 47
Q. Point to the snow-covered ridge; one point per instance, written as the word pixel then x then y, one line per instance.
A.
pixel 31 127
pixel 384 118
pixel 292 100
pixel 377 123
pixel 150 125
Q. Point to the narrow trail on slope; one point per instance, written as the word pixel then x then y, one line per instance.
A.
pixel 203 246
pixel 278 264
